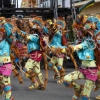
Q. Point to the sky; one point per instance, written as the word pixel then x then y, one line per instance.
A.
pixel 19 3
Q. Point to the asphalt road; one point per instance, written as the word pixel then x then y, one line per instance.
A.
pixel 53 91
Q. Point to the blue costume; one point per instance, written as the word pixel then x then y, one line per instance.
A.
pixel 5 61
pixel 32 66
pixel 88 69
pixel 57 60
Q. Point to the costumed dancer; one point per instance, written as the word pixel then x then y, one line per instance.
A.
pixel 96 19
pixel 14 54
pixel 88 69
pixel 56 44
pixel 5 60
pixel 32 66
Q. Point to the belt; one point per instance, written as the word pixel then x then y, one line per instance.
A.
pixel 1 64
pixel 82 66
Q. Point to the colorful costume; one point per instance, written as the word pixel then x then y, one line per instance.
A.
pixel 96 19
pixel 5 61
pixel 88 69
pixel 56 43
pixel 32 66
pixel 15 57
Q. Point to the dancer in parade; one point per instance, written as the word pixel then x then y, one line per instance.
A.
pixel 86 53
pixel 5 60
pixel 56 43
pixel 34 47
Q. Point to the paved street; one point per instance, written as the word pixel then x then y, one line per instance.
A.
pixel 53 91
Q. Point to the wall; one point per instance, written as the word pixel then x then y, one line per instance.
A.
pixel 92 10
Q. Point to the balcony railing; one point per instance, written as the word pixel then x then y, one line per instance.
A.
pixel 46 12
pixel 51 4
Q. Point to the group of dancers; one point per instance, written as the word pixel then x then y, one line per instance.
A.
pixel 34 39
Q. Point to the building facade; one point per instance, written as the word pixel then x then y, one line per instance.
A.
pixel 67 3
pixel 95 9
pixel 28 3
pixel 45 3
pixel 50 3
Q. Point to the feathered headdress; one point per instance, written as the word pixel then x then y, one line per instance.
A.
pixel 92 19
pixel 95 20
pixel 39 21
pixel 61 22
